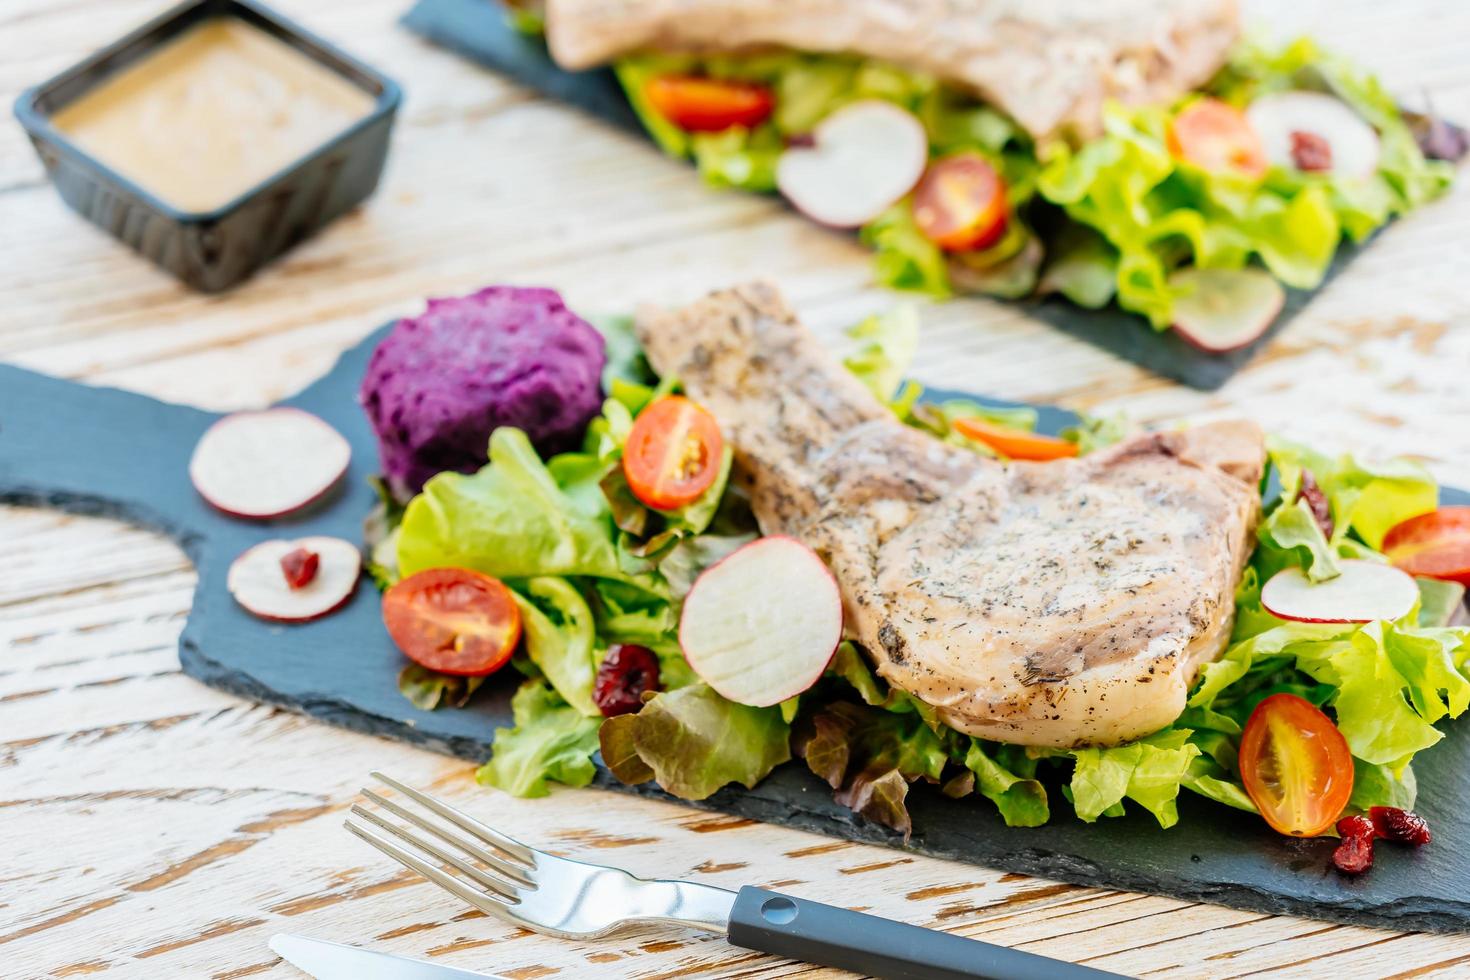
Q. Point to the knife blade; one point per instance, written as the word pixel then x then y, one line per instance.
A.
pixel 338 961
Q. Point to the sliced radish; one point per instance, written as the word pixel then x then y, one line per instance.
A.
pixel 1290 125
pixel 860 160
pixel 761 625
pixel 259 582
pixel 1220 310
pixel 1365 591
pixel 268 463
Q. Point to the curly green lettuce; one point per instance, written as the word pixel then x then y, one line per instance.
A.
pixel 551 742
pixel 1157 213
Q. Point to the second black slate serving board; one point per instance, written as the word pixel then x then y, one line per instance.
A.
pixel 479 30
pixel 112 453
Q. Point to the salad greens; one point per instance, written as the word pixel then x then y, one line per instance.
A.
pixel 589 570
pixel 1156 211
pixel 1117 215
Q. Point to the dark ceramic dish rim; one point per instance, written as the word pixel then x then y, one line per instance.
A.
pixel 38 124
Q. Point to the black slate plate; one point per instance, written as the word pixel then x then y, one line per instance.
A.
pixel 478 30
pixel 112 453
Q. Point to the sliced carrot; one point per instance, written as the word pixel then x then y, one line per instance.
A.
pixel 1014 443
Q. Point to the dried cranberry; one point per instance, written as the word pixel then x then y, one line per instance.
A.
pixel 626 672
pixel 1310 152
pixel 1391 823
pixel 1354 854
pixel 1317 501
pixel 300 567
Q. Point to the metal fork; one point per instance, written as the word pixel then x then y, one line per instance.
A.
pixel 575 900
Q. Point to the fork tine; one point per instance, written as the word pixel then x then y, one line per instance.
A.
pixel 481 900
pixel 515 872
pixel 512 847
pixel 497 885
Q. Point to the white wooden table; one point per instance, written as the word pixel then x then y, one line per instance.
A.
pixel 152 827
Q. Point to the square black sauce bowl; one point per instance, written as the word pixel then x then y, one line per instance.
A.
pixel 212 250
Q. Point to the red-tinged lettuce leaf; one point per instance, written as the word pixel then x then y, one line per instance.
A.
pixel 620 751
pixel 429 689
pixel 693 742
pixel 880 794
pixel 628 512
pixel 959 786
pixel 869 756
pixel 827 746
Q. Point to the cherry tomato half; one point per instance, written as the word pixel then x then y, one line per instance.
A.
pixel 960 204
pixel 453 620
pixel 1216 136
pixel 1295 765
pixel 673 453
pixel 1435 545
pixel 1014 443
pixel 709 105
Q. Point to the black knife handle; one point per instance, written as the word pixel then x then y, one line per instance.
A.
pixel 823 934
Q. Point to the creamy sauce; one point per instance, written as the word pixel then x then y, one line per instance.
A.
pixel 212 113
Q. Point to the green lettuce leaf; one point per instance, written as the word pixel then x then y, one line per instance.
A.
pixel 1392 686
pixel 903 257
pixel 626 365
pixel 551 742
pixel 1210 780
pixel 890 341
pixel 1439 601
pixel 628 614
pixel 513 520
pixel 1375 785
pixel 561 639
pixel 1092 432
pixel 529 20
pixel 1158 213
pixel 739 157
pixel 691 556
pixel 848 665
pixel 634 74
pixel 1149 771
pixel 1022 801
pixel 1290 535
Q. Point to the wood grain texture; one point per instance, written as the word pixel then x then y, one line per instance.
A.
pixel 155 828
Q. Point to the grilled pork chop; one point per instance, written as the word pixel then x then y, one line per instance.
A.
pixel 1064 603
pixel 1049 64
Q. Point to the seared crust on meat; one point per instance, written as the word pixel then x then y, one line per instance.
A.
pixel 1049 64
pixel 1063 603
